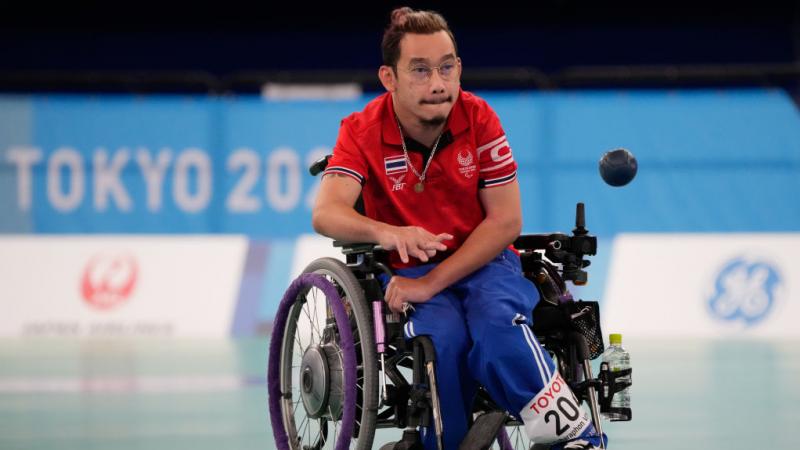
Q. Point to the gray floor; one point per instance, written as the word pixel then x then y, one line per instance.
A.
pixel 196 394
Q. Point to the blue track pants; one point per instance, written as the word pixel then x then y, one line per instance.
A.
pixel 480 330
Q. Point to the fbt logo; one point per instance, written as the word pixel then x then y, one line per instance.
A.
pixel 109 280
pixel 744 290
pixel 398 182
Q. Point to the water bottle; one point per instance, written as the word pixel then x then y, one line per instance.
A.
pixel 618 359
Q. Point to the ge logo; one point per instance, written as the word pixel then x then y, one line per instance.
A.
pixel 744 291
pixel 108 280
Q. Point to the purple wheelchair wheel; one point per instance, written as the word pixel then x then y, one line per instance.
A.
pixel 321 393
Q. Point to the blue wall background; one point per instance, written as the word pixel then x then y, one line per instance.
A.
pixel 709 160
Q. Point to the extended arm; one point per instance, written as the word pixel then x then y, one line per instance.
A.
pixel 334 216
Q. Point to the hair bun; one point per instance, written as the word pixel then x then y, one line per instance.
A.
pixel 399 15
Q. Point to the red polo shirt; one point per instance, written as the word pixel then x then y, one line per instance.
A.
pixel 473 154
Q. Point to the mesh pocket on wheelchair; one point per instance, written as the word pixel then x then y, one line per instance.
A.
pixel 582 316
pixel 586 319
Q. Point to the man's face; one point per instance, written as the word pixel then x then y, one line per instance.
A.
pixel 422 90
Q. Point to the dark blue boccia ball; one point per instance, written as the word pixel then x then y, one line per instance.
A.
pixel 618 167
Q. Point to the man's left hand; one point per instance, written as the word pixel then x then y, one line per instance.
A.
pixel 407 290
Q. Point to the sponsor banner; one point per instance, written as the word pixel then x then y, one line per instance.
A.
pixel 203 164
pixel 87 286
pixel 704 285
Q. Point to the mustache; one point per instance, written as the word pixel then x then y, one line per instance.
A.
pixel 449 99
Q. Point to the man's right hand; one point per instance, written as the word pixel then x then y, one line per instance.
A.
pixel 412 241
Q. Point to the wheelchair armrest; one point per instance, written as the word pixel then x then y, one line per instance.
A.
pixel 566 250
pixel 539 241
pixel 364 256
pixel 357 247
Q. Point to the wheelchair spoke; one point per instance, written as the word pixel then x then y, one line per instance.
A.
pixel 319 440
pixel 335 427
pixel 300 333
pixel 303 428
pixel 518 437
pixel 310 320
pixel 313 436
pixel 315 320
pixel 300 349
pixel 297 403
pixel 323 437
pixel 312 324
pixel 315 314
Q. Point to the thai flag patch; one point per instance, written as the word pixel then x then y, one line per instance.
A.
pixel 395 164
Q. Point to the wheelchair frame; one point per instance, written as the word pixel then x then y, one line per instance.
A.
pixel 382 350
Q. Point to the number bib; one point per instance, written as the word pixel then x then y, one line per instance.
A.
pixel 554 415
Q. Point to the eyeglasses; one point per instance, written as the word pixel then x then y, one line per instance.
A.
pixel 420 73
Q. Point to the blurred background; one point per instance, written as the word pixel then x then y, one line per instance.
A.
pixel 156 201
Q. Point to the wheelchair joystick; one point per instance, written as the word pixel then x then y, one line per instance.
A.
pixel 580 221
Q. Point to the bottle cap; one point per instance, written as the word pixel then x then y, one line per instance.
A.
pixel 615 338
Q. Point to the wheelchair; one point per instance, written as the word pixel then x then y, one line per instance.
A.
pixel 340 368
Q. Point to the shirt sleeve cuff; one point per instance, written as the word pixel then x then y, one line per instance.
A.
pixel 499 181
pixel 345 171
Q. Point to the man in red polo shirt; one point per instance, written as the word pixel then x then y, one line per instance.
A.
pixel 438 180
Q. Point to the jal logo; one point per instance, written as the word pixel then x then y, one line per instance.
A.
pixel 109 280
pixel 744 291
